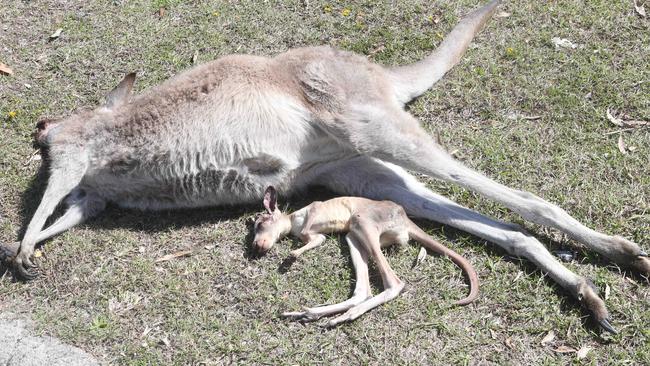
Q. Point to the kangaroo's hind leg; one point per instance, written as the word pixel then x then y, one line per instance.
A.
pixel 394 136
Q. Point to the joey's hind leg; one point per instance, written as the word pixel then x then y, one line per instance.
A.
pixel 361 289
pixel 365 231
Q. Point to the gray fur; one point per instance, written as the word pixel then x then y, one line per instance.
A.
pixel 223 131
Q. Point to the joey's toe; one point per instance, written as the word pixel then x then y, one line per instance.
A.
pixel 293 314
pixel 338 320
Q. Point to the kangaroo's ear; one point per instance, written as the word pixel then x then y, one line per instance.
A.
pixel 120 93
pixel 270 199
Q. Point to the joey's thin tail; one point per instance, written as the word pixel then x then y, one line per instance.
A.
pixel 420 236
pixel 410 81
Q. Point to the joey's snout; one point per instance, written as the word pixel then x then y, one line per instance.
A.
pixel 262 245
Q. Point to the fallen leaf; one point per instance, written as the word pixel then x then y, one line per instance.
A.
pixel 434 19
pixel 502 14
pixel 209 247
pixel 56 34
pixel 548 338
pixel 564 349
pixel 493 334
pixel 165 341
pixel 421 255
pixel 38 253
pixel 161 12
pixel 607 290
pixel 182 253
pixel 509 343
pixel 195 57
pixel 625 123
pixel 4 69
pixel 613 119
pixel 34 156
pixel 636 123
pixel 621 144
pixel 582 353
pixel 563 43
pixel 639 9
pixel 376 50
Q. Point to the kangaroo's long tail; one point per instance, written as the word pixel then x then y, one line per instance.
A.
pixel 412 80
pixel 420 236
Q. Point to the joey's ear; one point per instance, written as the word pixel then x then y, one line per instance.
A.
pixel 121 92
pixel 270 199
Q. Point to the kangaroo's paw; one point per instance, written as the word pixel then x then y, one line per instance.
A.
pixel 24 267
pixel 588 296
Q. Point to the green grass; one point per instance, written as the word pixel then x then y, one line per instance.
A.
pixel 101 290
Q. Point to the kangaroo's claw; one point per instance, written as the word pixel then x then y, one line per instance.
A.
pixel 604 323
pixel 24 266
pixel 26 273
pixel 588 296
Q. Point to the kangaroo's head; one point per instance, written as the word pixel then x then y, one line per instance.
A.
pixel 47 129
pixel 271 225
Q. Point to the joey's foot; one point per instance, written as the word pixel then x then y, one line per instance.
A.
pixel 588 296
pixel 24 267
pixel 307 315
pixel 348 316
pixel 295 253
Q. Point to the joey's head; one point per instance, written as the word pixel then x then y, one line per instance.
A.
pixel 49 130
pixel 271 225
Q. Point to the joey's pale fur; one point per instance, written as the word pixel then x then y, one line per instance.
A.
pixel 370 225
pixel 221 132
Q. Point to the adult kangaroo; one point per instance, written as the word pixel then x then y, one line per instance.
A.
pixel 223 131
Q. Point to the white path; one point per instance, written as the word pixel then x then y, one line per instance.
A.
pixel 20 347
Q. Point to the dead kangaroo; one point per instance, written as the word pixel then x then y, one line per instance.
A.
pixel 371 225
pixel 223 131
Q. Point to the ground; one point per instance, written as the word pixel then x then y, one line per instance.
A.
pixel 522 110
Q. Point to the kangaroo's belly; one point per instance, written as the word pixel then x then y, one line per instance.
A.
pixel 169 186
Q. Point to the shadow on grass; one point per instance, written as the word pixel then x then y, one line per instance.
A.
pixel 567 301
pixel 157 221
